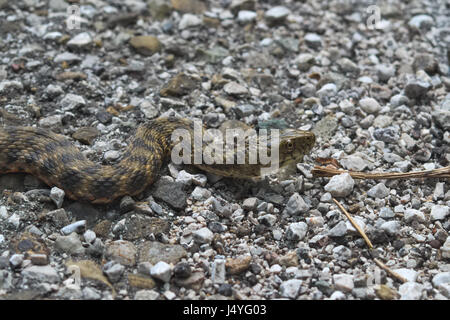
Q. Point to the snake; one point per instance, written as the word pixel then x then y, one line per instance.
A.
pixel 58 162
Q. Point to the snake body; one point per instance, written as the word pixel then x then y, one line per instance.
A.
pixel 58 162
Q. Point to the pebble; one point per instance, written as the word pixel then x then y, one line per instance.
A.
pixel 67 57
pixel 296 205
pixel 57 196
pixel 81 40
pixel 182 270
pixel 235 89
pixel 313 41
pixel 439 212
pixel 416 89
pixel 445 249
pixel 411 215
pixel 391 227
pixel 146 45
pixel 340 185
pixel 408 274
pixel 296 231
pixel 171 192
pixel 421 22
pixel 246 16
pixel 410 291
pixel 369 105
pixel 290 288
pixel 343 282
pixel 121 251
pixel 113 271
pixel 146 295
pixel 161 271
pixel 277 14
pixel 203 235
pixel 16 260
pixel 77 227
pixel 189 20
pixel 379 191
pixel 41 274
pixel 237 265
pixel 72 101
pixel 70 244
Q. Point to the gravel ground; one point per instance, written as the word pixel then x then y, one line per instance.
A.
pixel 377 99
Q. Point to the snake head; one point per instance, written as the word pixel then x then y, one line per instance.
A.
pixel 294 144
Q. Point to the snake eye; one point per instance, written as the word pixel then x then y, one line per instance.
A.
pixel 290 145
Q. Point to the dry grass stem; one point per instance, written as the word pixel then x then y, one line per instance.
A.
pixel 392 273
pixel 355 225
pixel 444 172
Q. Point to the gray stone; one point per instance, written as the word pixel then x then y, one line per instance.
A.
pixel 80 40
pixel 386 213
pixel 391 227
pixel 77 226
pixel 171 192
pixel 378 191
pixel 343 282
pixel 161 271
pixel 70 244
pixel 421 22
pixel 57 196
pixel 113 271
pixel 16 260
pixel 249 204
pixel 146 295
pixel 189 20
pixel 313 40
pixel 439 212
pixel 235 89
pixel 296 231
pixel 277 13
pixel 41 274
pixel 410 291
pixel 296 205
pixel 121 251
pixel 415 89
pixel 66 57
pixel 339 230
pixel 203 235
pixel 408 274
pixel 340 185
pixel 385 72
pixel 445 249
pixel 246 16
pixel 200 194
pixel 411 215
pixel 290 288
pixel 72 101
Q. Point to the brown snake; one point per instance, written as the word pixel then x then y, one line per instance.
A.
pixel 58 162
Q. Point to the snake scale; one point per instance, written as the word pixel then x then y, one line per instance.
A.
pixel 55 160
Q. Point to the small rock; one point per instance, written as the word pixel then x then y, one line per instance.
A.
pixel 410 291
pixel 146 45
pixel 246 16
pixel 296 231
pixel 313 40
pixel 439 212
pixel 369 105
pixel 235 89
pixel 72 101
pixel 77 227
pixel 80 40
pixel 57 196
pixel 16 260
pixel 343 282
pixel 411 215
pixel 41 274
pixel 391 227
pixel 113 271
pixel 182 270
pixel 378 191
pixel 340 185
pixel 161 271
pixel 290 288
pixel 408 274
pixel 70 244
pixel 189 20
pixel 237 265
pixel 296 205
pixel 121 251
pixel 277 14
pixel 203 235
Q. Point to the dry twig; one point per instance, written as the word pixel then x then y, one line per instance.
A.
pixel 444 172
pixel 355 225
pixel 391 272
